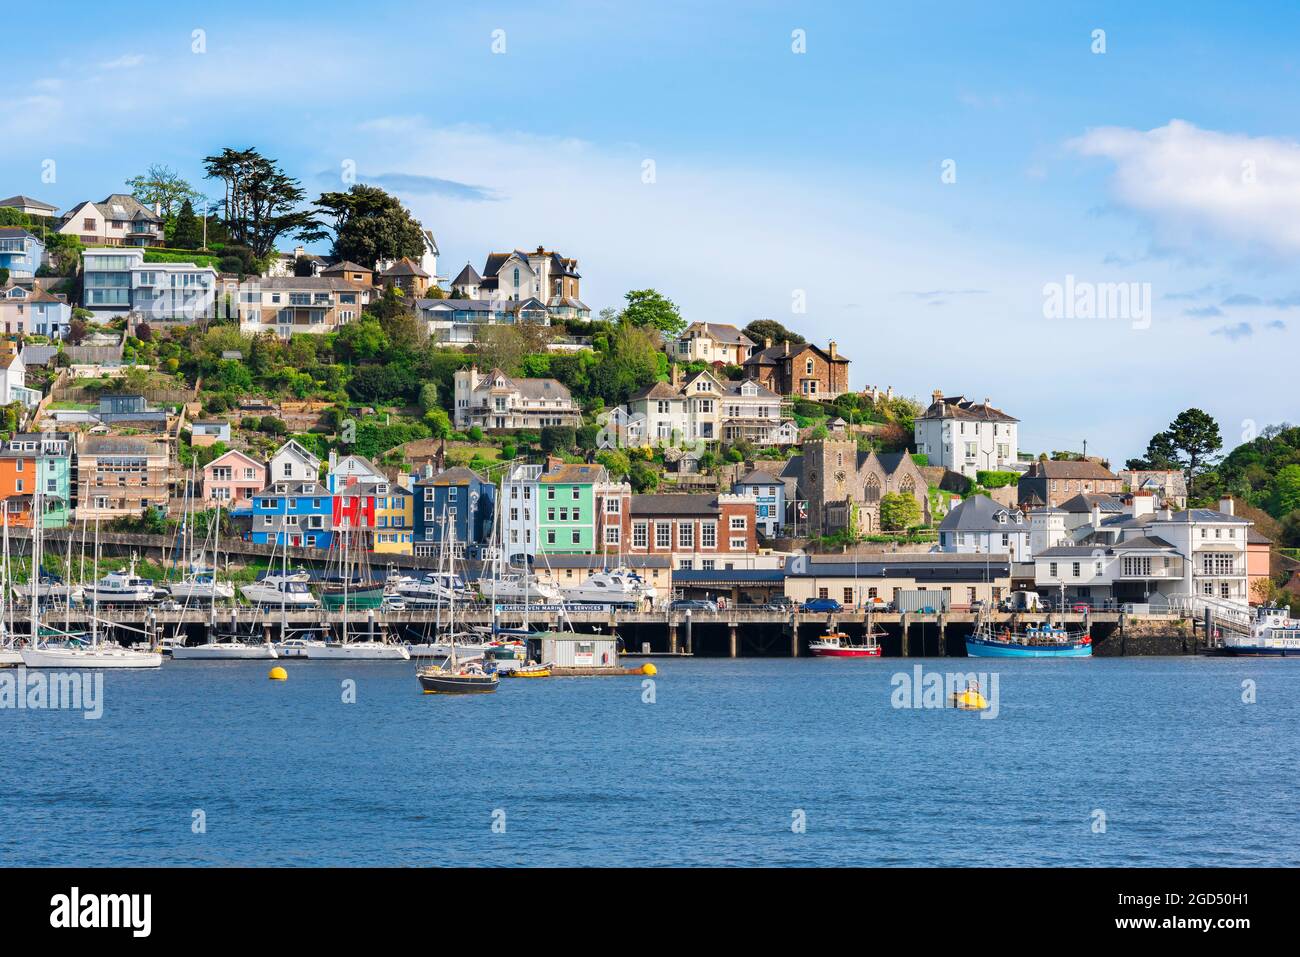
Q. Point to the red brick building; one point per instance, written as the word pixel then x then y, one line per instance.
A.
pixel 801 369
pixel 695 531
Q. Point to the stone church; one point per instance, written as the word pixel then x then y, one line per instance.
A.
pixel 843 485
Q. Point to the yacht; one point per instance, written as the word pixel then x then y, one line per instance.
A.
pixel 289 590
pixel 518 588
pixel 201 586
pixel 97 654
pixel 435 588
pixel 124 588
pixel 617 587
pixel 224 648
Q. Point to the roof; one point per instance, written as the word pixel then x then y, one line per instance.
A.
pixel 923 566
pixel 1070 469
pixel 458 475
pixel 118 445
pixel 729 576
pixel 574 473
pixel 405 267
pixel 118 206
pixel 346 266
pixel 1084 501
pixel 602 561
pixel 21 200
pixel 235 452
pixel 311 283
pixel 294 448
pixel 979 513
pixel 467 277
pixel 670 504
pixel 14 232
pixel 759 477
pixel 771 355
pixel 959 407
pixel 723 332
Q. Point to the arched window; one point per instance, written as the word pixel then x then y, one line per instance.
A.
pixel 871 493
pixel 908 487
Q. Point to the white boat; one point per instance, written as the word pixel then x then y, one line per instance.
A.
pixel 224 649
pixel 51 588
pixel 96 655
pixel 617 587
pixel 201 586
pixel 521 588
pixel 435 588
pixel 123 588
pixel 290 591
pixel 1273 634
pixel 466 648
pixel 355 651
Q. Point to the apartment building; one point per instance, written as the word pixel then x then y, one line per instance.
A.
pixel 704 532
pixel 289 305
pixel 120 476
pixel 496 402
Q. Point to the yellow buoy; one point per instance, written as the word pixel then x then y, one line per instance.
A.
pixel 277 674
pixel 649 669
pixel 969 700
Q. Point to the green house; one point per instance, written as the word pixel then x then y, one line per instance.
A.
pixel 566 520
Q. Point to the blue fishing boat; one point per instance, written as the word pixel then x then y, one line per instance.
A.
pixel 1035 641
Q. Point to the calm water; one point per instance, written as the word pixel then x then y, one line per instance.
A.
pixel 710 773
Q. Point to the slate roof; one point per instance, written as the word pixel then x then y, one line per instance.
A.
pixel 1084 501
pixel 670 504
pixel 467 277
pixel 759 477
pixel 1073 469
pixel 459 475
pixel 21 200
pixel 346 266
pixel 959 407
pixel 573 473
pixel 979 513
pixel 405 267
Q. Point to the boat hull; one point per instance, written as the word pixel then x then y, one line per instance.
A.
pixel 90 658
pixel 457 684
pixel 223 651
pixel 436 649
pixel 1260 651
pixel 356 651
pixel 984 648
pixel 844 652
pixel 199 592
pixel 361 598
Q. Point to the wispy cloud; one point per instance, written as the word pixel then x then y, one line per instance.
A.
pixel 124 62
pixel 434 185
pixel 1234 332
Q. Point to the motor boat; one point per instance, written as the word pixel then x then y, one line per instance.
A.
pixel 617 587
pixel 290 590
pixel 435 588
pixel 201 586
pixel 123 588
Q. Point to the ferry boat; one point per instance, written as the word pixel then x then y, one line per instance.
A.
pixel 836 644
pixel 1273 634
pixel 1035 641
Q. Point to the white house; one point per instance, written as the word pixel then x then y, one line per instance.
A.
pixel 519 501
pixel 704 408
pixel 13 378
pixel 293 463
pixel 982 526
pixel 1146 555
pixel 768 493
pixel 497 401
pixel 967 437
pixel 358 472
pixel 711 342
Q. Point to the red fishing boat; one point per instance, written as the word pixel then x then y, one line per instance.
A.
pixel 836 644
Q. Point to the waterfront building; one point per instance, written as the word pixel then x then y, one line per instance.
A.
pixel 768 493
pixel 981 526
pixel 519 507
pixel 967 437
pixel 456 498
pixel 958 580
pixel 696 531
pixel 121 476
pixel 356 470
pixel 567 518
pixel 395 521
pixel 291 512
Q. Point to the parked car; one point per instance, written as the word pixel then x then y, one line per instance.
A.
pixel 822 604
pixel 1081 607
pixel 779 603
pixel 693 604
pixel 877 604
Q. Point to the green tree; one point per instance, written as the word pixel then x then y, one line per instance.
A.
pixel 370 224
pixel 262 203
pixel 762 329
pixel 558 438
pixel 188 232
pixel 165 188
pixel 615 462
pixel 1189 444
pixel 1286 491
pixel 899 511
pixel 361 341
pixel 648 307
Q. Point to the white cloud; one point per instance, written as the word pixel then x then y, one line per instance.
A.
pixel 124 62
pixel 1200 187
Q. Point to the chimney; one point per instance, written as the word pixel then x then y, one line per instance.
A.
pixel 831 344
pixel 767 342
pixel 1096 516
pixel 1226 505
pixel 787 347
pixel 937 395
pixel 986 402
pixel 676 372
pixel 1144 503
pixel 1165 514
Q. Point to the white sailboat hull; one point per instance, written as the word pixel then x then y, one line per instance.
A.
pixel 509 591
pixel 202 591
pixel 442 649
pixel 356 651
pixel 101 657
pixel 10 656
pixel 224 651
pixel 264 595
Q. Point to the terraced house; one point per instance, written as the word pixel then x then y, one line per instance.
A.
pixel 455 500
pixel 705 532
pixel 33 311
pixel 51 455
pixel 121 476
pixel 293 513
pixel 567 521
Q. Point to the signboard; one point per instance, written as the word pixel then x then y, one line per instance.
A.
pixel 558 608
pixel 584 655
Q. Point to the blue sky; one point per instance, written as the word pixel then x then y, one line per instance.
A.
pixel 1169 161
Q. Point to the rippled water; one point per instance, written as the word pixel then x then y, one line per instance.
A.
pixel 713 772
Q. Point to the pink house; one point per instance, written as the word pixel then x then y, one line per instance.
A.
pixel 233 479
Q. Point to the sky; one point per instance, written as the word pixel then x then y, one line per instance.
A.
pixel 943 191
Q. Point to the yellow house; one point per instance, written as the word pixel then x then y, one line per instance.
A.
pixel 395 522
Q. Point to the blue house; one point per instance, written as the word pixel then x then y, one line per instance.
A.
pixel 459 498
pixel 20 252
pixel 293 513
pixel 769 493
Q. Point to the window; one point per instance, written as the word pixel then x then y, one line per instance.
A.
pixel 823 593
pixel 577 537
pixel 550 537
pixel 663 535
pixel 640 535
pixel 612 534
pixel 739 544
pixel 1051 570
pixel 685 534
pixel 739 523
pixel 575 493
pixel 613 506
pixel 848 596
pixel 708 535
